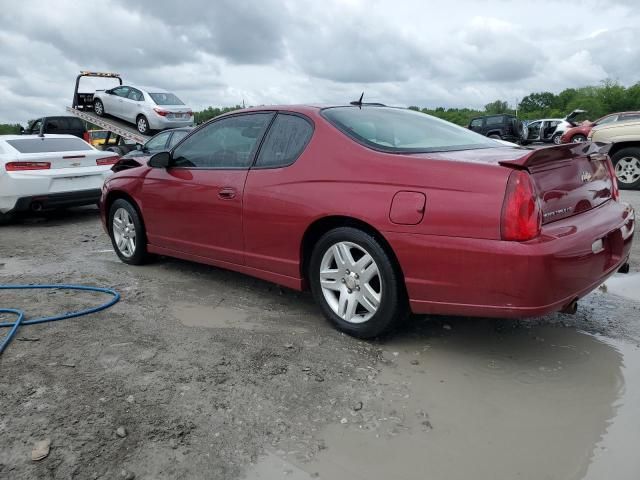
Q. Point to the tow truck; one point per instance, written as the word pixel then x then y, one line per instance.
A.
pixel 82 107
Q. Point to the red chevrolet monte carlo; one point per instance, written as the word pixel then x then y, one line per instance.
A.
pixel 378 211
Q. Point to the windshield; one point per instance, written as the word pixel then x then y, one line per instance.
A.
pixel 165 99
pixel 400 130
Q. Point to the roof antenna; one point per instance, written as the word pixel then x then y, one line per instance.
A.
pixel 358 103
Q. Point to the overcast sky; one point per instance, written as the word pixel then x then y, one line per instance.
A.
pixel 400 52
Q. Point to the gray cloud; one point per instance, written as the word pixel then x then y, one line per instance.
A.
pixel 465 53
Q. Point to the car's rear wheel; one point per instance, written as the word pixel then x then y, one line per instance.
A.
pixel 98 108
pixel 356 284
pixel 627 167
pixel 556 139
pixel 578 138
pixel 127 233
pixel 142 124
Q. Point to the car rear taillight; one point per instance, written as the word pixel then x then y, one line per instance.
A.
pixel 615 191
pixel 21 166
pixel 190 113
pixel 159 111
pixel 521 213
pixel 107 160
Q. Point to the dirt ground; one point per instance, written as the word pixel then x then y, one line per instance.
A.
pixel 220 376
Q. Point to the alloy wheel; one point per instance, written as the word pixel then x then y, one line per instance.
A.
pixel 97 107
pixel 124 232
pixel 351 282
pixel 142 125
pixel 628 169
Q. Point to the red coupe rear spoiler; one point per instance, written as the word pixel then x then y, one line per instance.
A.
pixel 561 152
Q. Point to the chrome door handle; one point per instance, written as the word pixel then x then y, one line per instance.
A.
pixel 227 193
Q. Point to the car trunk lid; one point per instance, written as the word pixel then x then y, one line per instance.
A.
pixel 569 179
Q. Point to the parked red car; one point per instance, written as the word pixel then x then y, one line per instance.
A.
pixel 378 211
pixel 580 133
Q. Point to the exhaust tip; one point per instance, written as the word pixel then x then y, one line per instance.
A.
pixel 570 308
pixel 36 206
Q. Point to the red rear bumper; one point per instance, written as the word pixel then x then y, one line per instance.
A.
pixel 477 277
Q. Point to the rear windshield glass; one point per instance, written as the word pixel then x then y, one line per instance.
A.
pixel 98 134
pixel 399 130
pixel 44 145
pixel 165 99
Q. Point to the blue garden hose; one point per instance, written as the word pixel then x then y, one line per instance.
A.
pixel 20 321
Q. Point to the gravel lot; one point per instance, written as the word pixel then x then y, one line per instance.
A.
pixel 216 375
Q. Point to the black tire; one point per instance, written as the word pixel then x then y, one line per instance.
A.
pixel 393 307
pixel 98 108
pixel 495 136
pixel 578 138
pixel 556 139
pixel 142 125
pixel 139 255
pixel 633 154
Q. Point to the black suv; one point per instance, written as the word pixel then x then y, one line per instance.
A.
pixel 59 125
pixel 502 127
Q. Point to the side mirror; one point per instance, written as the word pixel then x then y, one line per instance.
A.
pixel 160 160
pixel 21 130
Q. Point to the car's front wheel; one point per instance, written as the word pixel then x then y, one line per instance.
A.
pixel 98 107
pixel 356 284
pixel 627 167
pixel 578 138
pixel 142 124
pixel 556 139
pixel 127 233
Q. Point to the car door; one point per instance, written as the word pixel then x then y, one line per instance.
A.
pixel 476 125
pixel 113 101
pixel 131 105
pixel 34 128
pixel 195 205
pixel 534 130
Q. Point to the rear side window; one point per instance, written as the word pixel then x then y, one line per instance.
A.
pixel 476 122
pixel 399 130
pixel 165 99
pixel 287 138
pixel 44 145
pixel 75 123
pixel 494 120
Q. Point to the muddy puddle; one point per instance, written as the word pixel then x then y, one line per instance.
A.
pixel 482 399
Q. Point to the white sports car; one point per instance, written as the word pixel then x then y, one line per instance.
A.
pixel 49 171
pixel 147 108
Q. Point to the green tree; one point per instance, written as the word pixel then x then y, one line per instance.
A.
pixel 499 106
